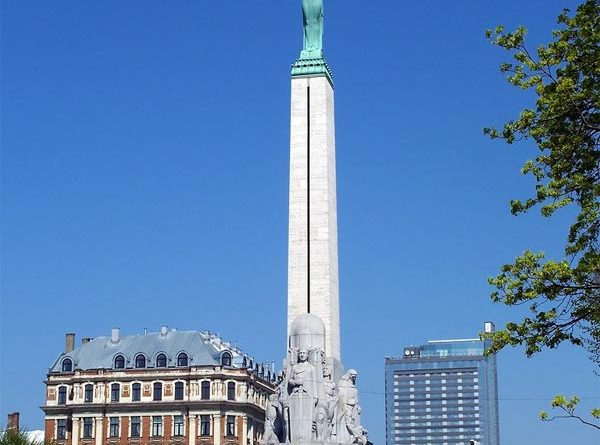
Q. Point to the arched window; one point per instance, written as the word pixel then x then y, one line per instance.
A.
pixel 182 359
pixel 230 390
pixel 62 395
pixel 205 390
pixel 161 361
pixel 89 393
pixel 226 359
pixel 157 394
pixel 245 362
pixel 115 389
pixel 119 362
pixel 140 361
pixel 136 392
pixel 178 390
pixel 67 365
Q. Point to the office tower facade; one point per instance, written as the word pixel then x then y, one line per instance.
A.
pixel 442 393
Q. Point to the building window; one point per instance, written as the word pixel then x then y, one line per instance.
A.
pixel 231 391
pixel 230 426
pixel 88 394
pixel 182 359
pixel 136 425
pixel 157 395
pixel 178 390
pixel 205 425
pixel 140 361
pixel 178 426
pixel 87 427
pixel 113 430
pixel 62 395
pixel 226 359
pixel 67 365
pixel 119 362
pixel 205 390
pixel 114 392
pixel 157 426
pixel 161 361
pixel 61 429
pixel 136 392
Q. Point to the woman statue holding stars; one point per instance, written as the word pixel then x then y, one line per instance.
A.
pixel 312 11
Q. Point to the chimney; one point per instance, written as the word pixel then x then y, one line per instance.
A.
pixel 13 422
pixel 488 327
pixel 164 330
pixel 114 338
pixel 85 340
pixel 70 342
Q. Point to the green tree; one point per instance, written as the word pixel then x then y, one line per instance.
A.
pixel 567 406
pixel 20 437
pixel 563 294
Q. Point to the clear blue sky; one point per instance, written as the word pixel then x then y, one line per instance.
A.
pixel 144 182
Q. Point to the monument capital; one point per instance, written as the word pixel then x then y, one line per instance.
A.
pixel 312 60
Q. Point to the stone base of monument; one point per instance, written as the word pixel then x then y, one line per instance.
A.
pixel 309 407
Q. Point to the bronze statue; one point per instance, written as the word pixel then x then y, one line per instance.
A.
pixel 312 11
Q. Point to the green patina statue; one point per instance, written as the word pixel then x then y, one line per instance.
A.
pixel 312 10
pixel 312 60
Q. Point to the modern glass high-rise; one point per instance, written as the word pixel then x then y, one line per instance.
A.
pixel 442 393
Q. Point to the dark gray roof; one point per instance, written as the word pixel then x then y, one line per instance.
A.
pixel 202 348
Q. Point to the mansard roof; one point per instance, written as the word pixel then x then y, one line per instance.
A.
pixel 201 348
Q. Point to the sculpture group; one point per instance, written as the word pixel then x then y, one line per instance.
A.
pixel 308 405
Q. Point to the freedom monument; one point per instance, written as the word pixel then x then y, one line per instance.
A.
pixel 315 401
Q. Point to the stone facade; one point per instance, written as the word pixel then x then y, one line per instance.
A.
pixel 217 401
pixel 313 205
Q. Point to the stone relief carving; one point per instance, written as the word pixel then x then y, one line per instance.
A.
pixel 308 406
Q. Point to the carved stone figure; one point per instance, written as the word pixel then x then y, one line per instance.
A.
pixel 270 436
pixel 349 429
pixel 312 11
pixel 283 411
pixel 302 389
pixel 308 407
pixel 330 401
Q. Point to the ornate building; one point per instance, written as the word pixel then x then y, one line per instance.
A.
pixel 167 387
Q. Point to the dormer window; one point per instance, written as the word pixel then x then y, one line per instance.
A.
pixel 182 359
pixel 161 361
pixel 119 362
pixel 226 359
pixel 140 361
pixel 67 365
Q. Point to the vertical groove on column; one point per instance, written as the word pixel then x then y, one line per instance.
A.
pixel 308 198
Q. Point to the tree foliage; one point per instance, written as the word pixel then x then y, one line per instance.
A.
pixel 567 406
pixel 564 294
pixel 19 437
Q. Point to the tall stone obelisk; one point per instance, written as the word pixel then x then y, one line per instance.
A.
pixel 313 248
